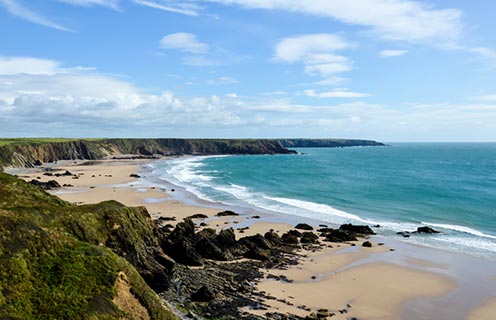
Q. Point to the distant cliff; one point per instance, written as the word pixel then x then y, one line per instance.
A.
pixel 328 143
pixel 31 152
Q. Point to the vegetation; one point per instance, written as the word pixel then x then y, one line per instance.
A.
pixel 49 271
pixel 7 141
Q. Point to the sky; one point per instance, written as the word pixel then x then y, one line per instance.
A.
pixel 387 70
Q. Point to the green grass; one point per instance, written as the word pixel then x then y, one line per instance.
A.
pixel 53 264
pixel 7 141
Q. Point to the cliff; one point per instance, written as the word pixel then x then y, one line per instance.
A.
pixel 31 152
pixel 76 262
pixel 328 143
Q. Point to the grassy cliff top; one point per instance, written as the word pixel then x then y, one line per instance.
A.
pixel 55 262
pixel 6 141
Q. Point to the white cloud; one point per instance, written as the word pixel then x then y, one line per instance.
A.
pixel 221 81
pixel 183 41
pixel 16 9
pixel 189 9
pixel 27 65
pixel 113 4
pixel 313 48
pixel 486 98
pixel 402 20
pixel 336 93
pixel 232 95
pixel 317 53
pixel 487 53
pixel 392 53
pixel 275 93
pixel 46 95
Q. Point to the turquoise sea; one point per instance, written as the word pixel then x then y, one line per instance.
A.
pixel 448 186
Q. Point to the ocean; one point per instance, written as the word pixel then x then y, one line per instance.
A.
pixel 448 186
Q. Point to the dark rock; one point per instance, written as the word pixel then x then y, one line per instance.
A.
pixel 255 217
pixel 426 230
pixel 340 236
pixel 309 237
pixel 303 226
pixel 134 175
pixel 256 241
pixel 367 244
pixel 227 240
pixel 166 219
pixel 295 233
pixel 66 173
pixel 180 244
pixel 203 224
pixel 405 234
pixel 257 254
pixel 227 213
pixel 49 174
pixel 204 294
pixel 198 216
pixel 325 230
pixel 52 184
pixel 273 238
pixel 289 238
pixel 357 229
pixel 323 225
pixel 377 226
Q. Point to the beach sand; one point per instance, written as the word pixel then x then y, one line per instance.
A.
pixel 485 312
pixel 365 291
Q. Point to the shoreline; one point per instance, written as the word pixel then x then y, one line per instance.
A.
pixel 110 179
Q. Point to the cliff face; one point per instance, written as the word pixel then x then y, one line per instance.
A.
pixel 328 143
pixel 28 154
pixel 73 262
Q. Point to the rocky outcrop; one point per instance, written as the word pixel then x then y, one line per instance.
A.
pixel 360 229
pixel 428 230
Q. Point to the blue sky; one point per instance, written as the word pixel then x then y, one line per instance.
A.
pixel 390 70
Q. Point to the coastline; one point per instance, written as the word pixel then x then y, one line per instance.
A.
pixel 344 275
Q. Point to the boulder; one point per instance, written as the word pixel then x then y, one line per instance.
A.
pixel 256 241
pixel 273 238
pixel 289 238
pixel 295 233
pixel 340 236
pixel 309 237
pixel 303 226
pixel 52 184
pixel 359 229
pixel 227 213
pixel 426 230
pixel 367 244
pixel 198 216
pixel 405 234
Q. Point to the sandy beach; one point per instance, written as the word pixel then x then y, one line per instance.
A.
pixel 329 281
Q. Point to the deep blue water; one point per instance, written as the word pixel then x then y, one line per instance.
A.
pixel 449 186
